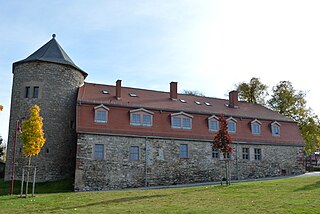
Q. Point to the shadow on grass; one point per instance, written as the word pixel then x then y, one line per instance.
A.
pixel 309 187
pixel 60 186
pixel 107 202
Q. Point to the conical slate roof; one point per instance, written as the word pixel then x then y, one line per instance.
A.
pixel 51 52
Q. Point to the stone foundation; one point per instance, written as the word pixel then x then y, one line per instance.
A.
pixel 160 163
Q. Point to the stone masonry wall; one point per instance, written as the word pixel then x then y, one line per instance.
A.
pixel 163 166
pixel 58 87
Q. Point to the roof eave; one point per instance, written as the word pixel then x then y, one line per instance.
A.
pixel 85 74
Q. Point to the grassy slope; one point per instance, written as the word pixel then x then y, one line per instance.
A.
pixel 293 195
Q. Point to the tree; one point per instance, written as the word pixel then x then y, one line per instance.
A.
pixel 1 107
pixel 32 136
pixel 222 141
pixel 194 93
pixel 252 92
pixel 289 102
pixel 292 103
pixel 310 130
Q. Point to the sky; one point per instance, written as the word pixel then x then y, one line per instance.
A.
pixel 204 45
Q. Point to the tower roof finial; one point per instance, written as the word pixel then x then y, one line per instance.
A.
pixel 53 36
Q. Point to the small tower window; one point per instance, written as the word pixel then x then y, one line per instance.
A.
pixel 27 91
pixel 35 92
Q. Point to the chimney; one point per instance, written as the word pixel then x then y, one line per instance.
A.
pixel 173 90
pixel 233 99
pixel 118 89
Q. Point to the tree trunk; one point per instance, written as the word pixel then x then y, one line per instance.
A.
pixel 27 181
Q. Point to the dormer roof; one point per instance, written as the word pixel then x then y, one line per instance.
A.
pixel 51 52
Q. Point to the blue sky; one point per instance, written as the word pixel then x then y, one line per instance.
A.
pixel 204 45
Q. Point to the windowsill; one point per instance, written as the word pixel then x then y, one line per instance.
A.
pixel 141 125
pixel 181 128
pixel 101 122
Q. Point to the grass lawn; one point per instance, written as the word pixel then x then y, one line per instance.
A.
pixel 292 195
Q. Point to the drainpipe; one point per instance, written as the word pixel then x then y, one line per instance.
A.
pixel 237 167
pixel 146 160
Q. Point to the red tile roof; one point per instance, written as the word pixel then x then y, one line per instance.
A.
pixel 150 99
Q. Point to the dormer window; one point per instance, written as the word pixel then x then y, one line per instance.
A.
pixel 141 117
pixel 232 125
pixel 101 114
pixel 275 128
pixel 213 123
pixel 256 127
pixel 181 120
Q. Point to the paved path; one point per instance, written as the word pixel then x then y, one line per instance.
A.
pixel 309 174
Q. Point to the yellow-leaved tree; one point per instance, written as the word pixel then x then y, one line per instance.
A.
pixel 1 107
pixel 32 136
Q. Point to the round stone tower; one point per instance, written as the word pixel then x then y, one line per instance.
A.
pixel 50 79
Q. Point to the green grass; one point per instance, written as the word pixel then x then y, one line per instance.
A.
pixel 292 195
pixel 45 187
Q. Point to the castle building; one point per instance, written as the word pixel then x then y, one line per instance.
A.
pixel 114 137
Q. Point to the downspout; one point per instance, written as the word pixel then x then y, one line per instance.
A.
pixel 237 167
pixel 146 164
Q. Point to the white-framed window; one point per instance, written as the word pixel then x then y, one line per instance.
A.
pixel 186 123
pixel 135 119
pixel 101 114
pixel 227 156
pixel 181 120
pixel 245 153
pixel 147 120
pixel 184 153
pixel 134 153
pixel 257 154
pixel 256 127
pixel 213 123
pixel 232 125
pixel 216 153
pixel 98 151
pixel 141 117
pixel 275 128
pixel 176 122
